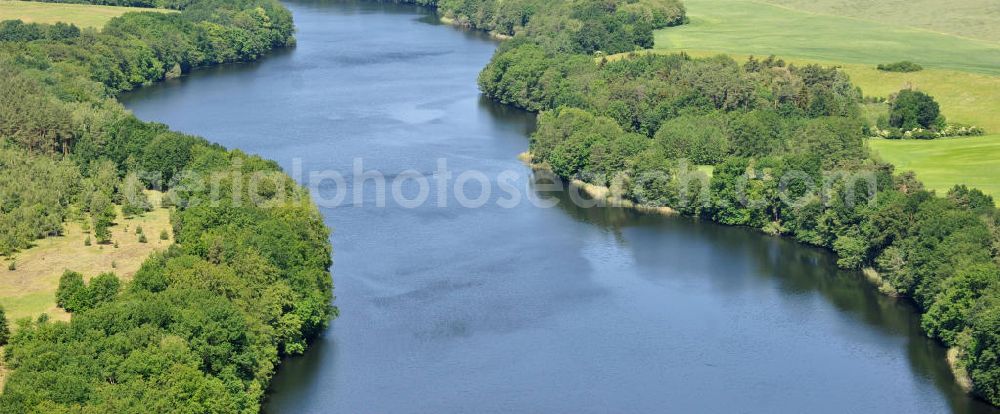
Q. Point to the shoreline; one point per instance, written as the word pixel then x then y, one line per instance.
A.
pixel 600 192
pixel 454 22
pixel 953 354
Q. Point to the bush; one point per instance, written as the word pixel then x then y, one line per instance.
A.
pixel 12 266
pixel 921 134
pixel 164 235
pixel 904 66
pixel 142 238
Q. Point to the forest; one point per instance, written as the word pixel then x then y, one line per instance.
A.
pixel 573 26
pixel 202 326
pixel 787 148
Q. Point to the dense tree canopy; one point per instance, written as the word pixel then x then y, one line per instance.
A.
pixel 914 109
pixel 202 326
pixel 579 26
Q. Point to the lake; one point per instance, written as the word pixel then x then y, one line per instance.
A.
pixel 522 306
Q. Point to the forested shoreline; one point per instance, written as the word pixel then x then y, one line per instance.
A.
pixel 202 326
pixel 786 145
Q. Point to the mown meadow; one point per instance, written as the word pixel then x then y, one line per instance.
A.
pixel 81 15
pixel 747 27
pixel 942 163
pixel 967 18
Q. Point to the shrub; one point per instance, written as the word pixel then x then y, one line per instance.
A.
pixel 164 235
pixel 921 134
pixel 142 238
pixel 949 130
pixel 904 66
pixel 953 130
pixel 895 133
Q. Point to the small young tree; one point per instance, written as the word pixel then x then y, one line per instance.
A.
pixel 71 294
pixel 102 230
pixel 164 235
pixel 134 201
pixel 103 213
pixel 4 327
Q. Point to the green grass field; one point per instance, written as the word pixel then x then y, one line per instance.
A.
pixel 81 15
pixel 962 73
pixel 942 163
pixel 968 18
pixel 748 27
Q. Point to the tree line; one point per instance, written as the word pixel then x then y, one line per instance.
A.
pixel 202 326
pixel 642 123
pixel 577 26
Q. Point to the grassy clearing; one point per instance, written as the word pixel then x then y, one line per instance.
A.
pixel 29 291
pixel 82 15
pixel 748 27
pixel 967 18
pixel 708 170
pixel 942 163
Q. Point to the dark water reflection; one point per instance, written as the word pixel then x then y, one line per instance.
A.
pixel 529 309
